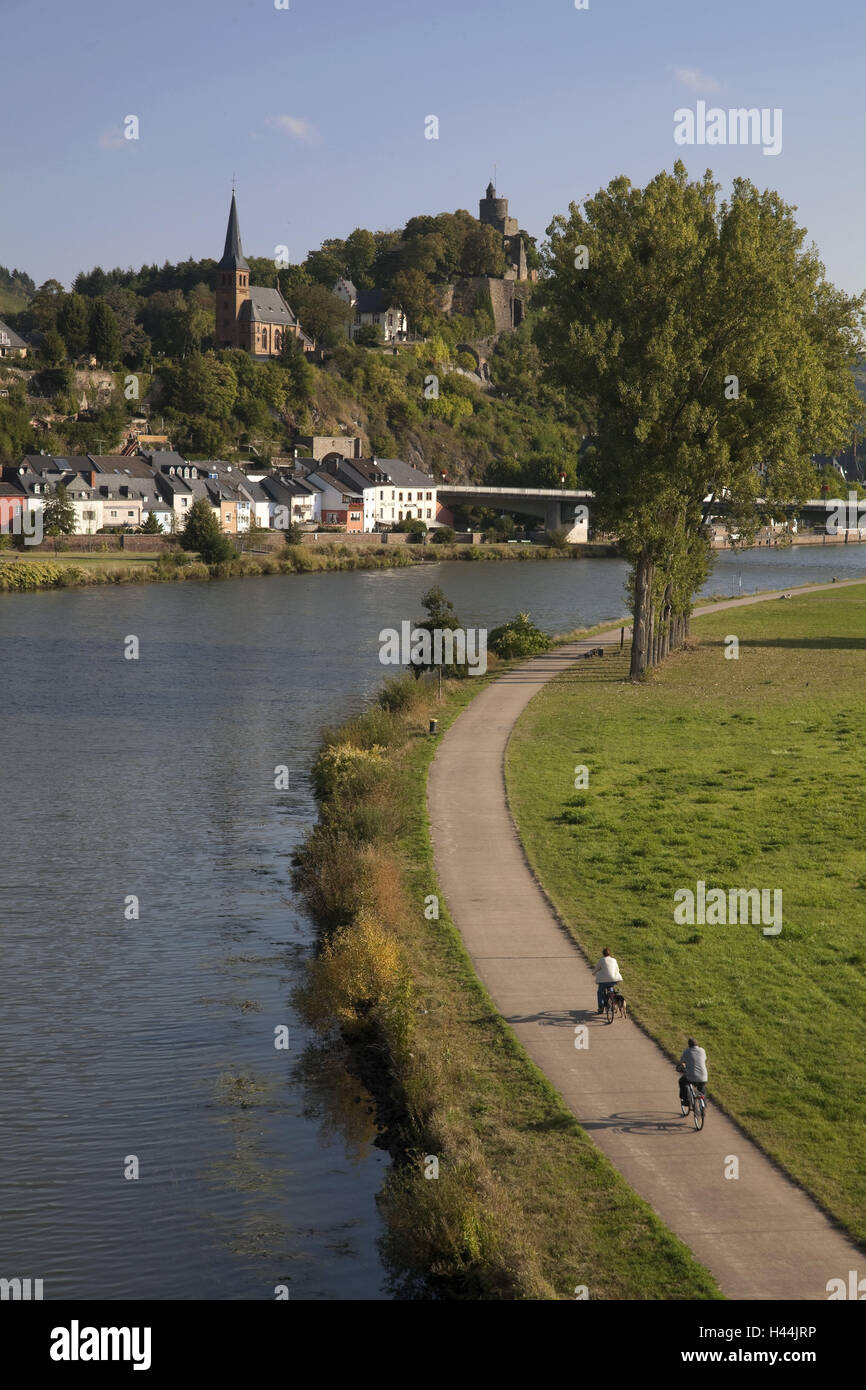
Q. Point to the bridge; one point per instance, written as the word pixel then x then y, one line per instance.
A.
pixel 554 506
pixel 557 507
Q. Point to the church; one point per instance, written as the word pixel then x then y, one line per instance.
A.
pixel 250 316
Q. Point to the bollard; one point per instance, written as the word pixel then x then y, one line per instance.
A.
pixel 434 724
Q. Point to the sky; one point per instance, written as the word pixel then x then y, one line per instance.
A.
pixel 320 110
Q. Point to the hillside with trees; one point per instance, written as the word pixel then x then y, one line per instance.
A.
pixel 151 331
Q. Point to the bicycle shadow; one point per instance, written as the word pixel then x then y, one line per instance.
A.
pixel 641 1122
pixel 558 1018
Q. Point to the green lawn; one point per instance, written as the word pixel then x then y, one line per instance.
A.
pixel 83 559
pixel 743 773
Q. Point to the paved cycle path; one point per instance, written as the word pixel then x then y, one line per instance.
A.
pixel 759 1235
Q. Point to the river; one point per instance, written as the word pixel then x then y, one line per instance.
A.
pixel 146 1043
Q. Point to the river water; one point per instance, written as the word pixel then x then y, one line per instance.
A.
pixel 146 1043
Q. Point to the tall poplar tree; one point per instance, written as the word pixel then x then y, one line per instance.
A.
pixel 711 357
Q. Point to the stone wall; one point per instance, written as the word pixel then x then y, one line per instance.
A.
pixel 508 298
pixel 355 538
pixel 99 544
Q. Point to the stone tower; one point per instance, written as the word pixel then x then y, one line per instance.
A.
pixel 232 285
pixel 494 212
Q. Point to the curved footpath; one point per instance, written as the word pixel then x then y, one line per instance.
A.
pixel 759 1235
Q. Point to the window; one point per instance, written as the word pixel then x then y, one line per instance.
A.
pixel 130 513
pixel 428 513
pixel 429 497
pixel 401 497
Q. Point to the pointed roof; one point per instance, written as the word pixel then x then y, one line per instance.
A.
pixel 233 255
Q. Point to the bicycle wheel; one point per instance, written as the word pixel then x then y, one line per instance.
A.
pixel 609 1006
pixel 698 1111
pixel 684 1107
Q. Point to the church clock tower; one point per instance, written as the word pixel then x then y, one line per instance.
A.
pixel 232 285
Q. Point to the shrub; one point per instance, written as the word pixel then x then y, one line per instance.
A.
pixel 300 560
pixel 444 535
pixel 518 637
pixel 400 693
pixel 359 973
pixel 557 538
pixel 342 768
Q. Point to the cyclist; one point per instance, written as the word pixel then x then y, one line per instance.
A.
pixel 606 976
pixel 693 1065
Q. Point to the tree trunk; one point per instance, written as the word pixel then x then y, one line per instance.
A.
pixel 666 622
pixel 640 654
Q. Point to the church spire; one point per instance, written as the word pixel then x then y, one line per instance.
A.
pixel 233 255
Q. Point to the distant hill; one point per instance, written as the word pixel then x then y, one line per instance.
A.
pixel 16 287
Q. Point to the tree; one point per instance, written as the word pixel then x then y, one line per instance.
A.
pixel 151 526
pixel 703 343
pixel 134 342
pixel 483 252
pixel 202 533
pixel 322 314
pixel 207 386
pixel 415 295
pixel 73 323
pixel 300 373
pixel 165 320
pixel 369 335
pixel 103 335
pixel 442 617
pixel 360 254
pixel 58 513
pixel 42 309
pixel 91 283
pixel 328 263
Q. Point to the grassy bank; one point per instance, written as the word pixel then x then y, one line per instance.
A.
pixel 524 1206
pixel 741 773
pixel 24 573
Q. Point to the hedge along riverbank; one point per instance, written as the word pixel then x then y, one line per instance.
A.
pixel 23 575
pixel 495 1191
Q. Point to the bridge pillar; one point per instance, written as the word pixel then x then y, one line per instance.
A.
pixel 552 516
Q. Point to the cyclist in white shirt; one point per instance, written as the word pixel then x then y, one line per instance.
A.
pixel 606 973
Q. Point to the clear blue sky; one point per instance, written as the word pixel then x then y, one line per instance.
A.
pixel 319 110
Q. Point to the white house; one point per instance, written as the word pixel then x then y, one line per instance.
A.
pixel 393 491
pixel 376 307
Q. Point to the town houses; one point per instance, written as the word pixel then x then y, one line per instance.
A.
pixel 334 488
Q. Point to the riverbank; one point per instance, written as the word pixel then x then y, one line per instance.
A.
pixel 496 1193
pixel 725 772
pixel 24 573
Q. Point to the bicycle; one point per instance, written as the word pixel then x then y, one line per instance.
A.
pixel 609 1002
pixel 696 1103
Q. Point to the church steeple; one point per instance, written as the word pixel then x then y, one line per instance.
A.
pixel 233 255
pixel 232 285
